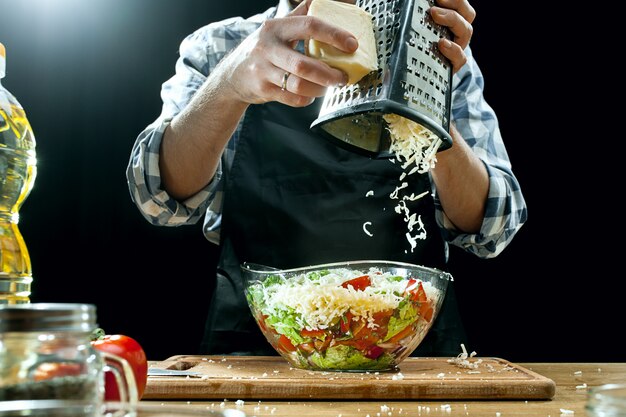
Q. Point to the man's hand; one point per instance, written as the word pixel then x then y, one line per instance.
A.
pixel 255 70
pixel 458 16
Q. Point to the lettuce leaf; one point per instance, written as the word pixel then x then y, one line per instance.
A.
pixel 284 322
pixel 346 357
pixel 406 315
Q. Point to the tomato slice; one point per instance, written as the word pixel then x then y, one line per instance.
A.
pixel 368 336
pixel 426 311
pixel 262 324
pixel 285 344
pixel 416 292
pixel 322 345
pixel 307 347
pixel 54 370
pixel 357 326
pixel 345 322
pixel 358 283
pixel 314 333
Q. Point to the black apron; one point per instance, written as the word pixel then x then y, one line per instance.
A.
pixel 294 199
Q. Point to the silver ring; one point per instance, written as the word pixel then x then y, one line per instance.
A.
pixel 286 75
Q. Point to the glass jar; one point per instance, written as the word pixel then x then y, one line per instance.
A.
pixel 46 353
pixel 52 408
pixel 607 401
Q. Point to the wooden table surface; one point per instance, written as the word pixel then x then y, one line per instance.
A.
pixel 573 381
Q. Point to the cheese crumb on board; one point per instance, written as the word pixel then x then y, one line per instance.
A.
pixel 463 360
pixel 355 20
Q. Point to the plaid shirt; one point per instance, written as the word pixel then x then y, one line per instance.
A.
pixel 199 54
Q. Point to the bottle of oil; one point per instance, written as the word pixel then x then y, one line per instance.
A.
pixel 18 169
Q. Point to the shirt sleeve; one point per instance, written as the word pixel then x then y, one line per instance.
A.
pixel 197 57
pixel 506 211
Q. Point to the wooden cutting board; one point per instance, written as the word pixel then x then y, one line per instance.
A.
pixel 271 377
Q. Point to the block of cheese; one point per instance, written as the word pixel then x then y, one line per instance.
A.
pixel 356 21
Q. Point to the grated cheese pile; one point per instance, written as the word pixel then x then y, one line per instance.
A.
pixel 415 148
pixel 321 302
pixel 463 359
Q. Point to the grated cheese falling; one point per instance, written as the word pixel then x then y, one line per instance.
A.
pixel 412 143
pixel 415 148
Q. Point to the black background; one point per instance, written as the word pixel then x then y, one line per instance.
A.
pixel 88 74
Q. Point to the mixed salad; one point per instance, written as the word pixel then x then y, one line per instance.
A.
pixel 343 319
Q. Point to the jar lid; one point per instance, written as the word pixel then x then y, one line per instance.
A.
pixel 50 317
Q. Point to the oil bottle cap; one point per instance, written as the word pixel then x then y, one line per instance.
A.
pixel 3 55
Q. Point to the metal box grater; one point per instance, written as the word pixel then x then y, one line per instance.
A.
pixel 414 80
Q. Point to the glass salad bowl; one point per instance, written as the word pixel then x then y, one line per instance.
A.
pixel 348 316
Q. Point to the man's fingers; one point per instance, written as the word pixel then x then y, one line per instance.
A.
pixel 302 8
pixel 305 67
pixel 287 81
pixel 453 52
pixel 462 7
pixel 282 32
pixel 295 28
pixel 460 27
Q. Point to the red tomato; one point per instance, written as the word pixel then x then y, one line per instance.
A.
pixel 373 352
pixel 262 324
pixel 368 336
pixel 416 290
pixel 127 348
pixel 322 345
pixel 285 344
pixel 358 283
pixel 54 370
pixel 345 322
pixel 426 311
pixel 317 333
pixel 417 293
